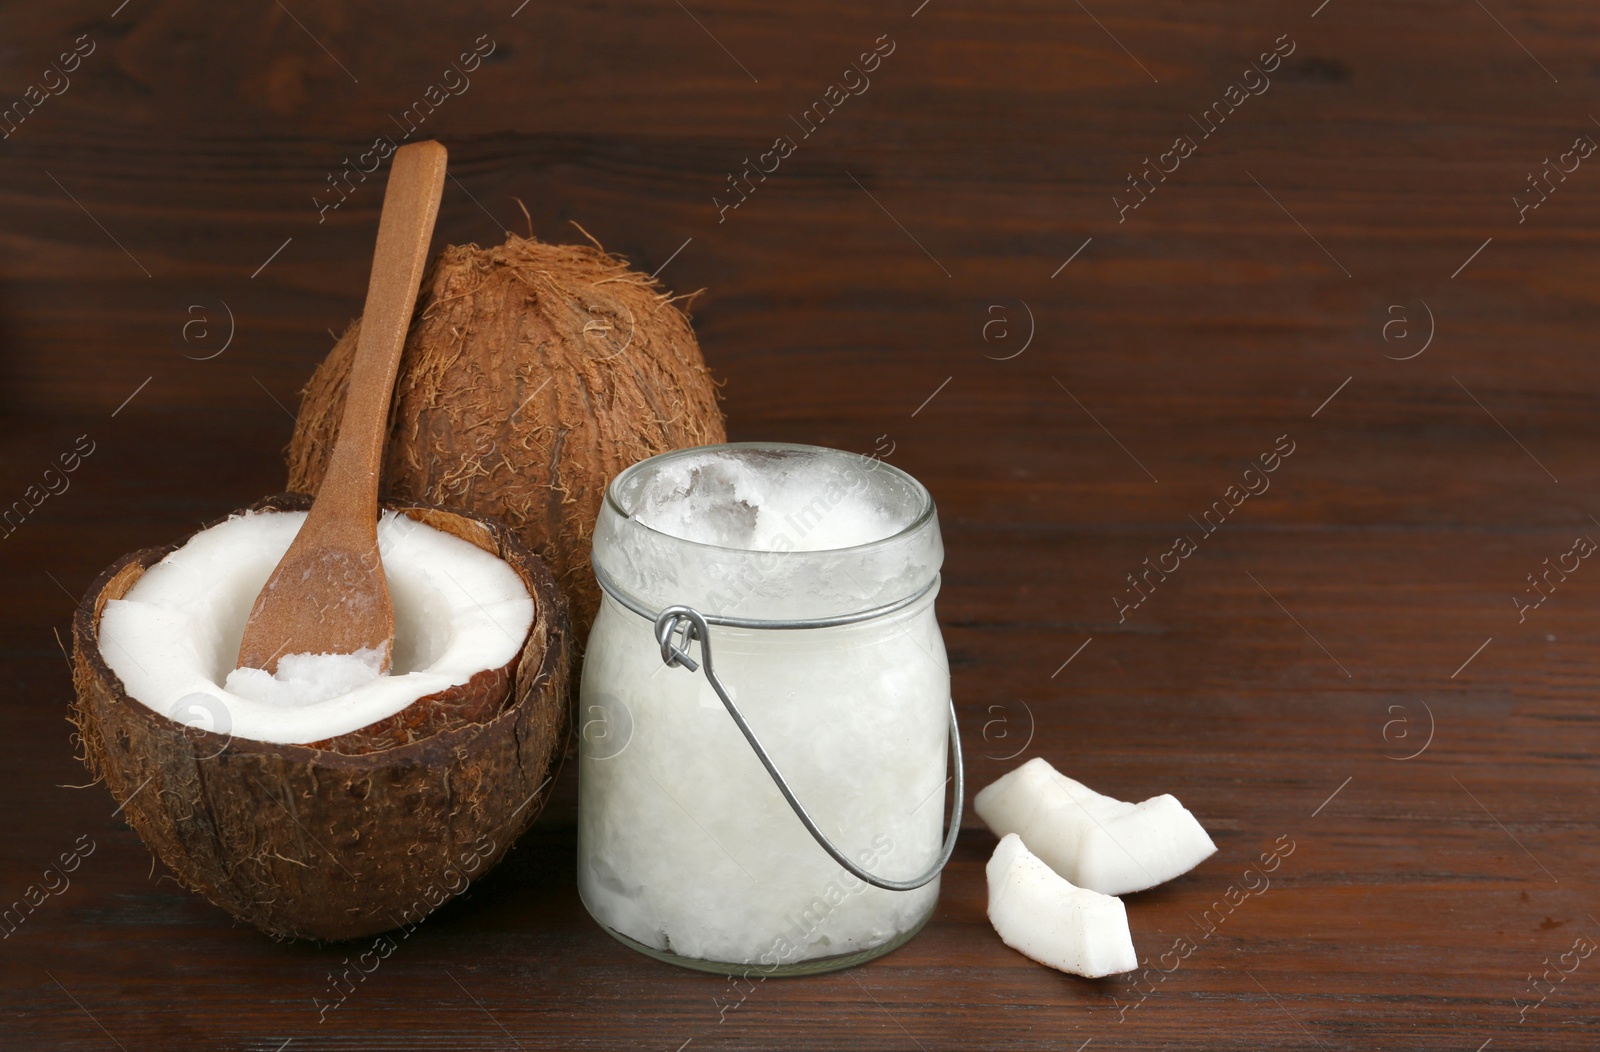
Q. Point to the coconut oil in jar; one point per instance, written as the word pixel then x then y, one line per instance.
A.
pixel 687 849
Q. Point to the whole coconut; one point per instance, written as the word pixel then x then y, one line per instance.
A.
pixel 532 374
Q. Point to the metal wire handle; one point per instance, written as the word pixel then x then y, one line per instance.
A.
pixel 689 624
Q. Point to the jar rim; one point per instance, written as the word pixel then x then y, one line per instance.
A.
pixel 926 509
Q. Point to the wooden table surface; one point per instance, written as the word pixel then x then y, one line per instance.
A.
pixel 950 268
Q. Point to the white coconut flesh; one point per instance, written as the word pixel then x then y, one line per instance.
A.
pixel 173 639
pixel 1041 915
pixel 1095 841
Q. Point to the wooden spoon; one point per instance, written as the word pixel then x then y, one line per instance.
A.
pixel 329 595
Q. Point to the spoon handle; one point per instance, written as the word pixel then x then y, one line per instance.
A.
pixel 410 206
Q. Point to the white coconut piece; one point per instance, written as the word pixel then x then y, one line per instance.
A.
pixel 173 639
pixel 1042 916
pixel 1094 841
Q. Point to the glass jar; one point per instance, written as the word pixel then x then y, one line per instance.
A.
pixel 828 705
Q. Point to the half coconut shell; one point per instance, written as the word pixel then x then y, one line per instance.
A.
pixel 359 834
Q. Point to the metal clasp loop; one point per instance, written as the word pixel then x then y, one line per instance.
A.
pixel 687 624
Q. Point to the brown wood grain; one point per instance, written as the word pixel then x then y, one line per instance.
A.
pixel 176 182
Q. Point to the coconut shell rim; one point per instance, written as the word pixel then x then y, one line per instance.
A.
pixel 525 690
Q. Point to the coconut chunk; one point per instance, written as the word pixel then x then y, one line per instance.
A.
pixel 1042 916
pixel 1095 841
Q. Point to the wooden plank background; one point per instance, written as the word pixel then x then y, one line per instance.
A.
pixel 941 265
